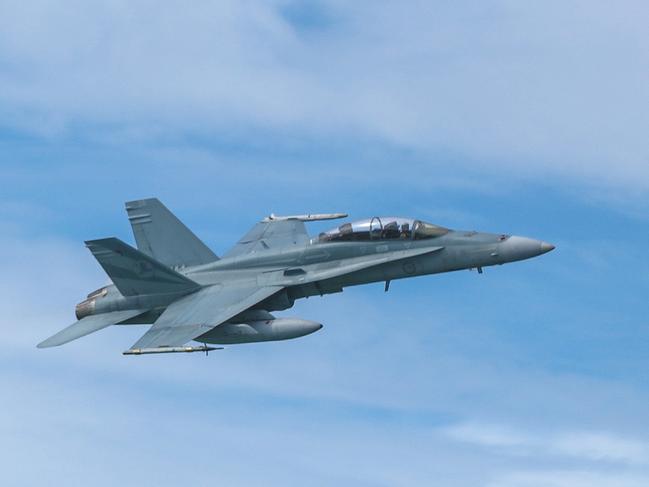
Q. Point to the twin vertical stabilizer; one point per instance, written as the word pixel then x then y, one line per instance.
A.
pixel 159 234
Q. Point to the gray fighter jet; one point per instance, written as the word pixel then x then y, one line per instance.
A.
pixel 174 282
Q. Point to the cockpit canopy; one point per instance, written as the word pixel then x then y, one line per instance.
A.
pixel 383 228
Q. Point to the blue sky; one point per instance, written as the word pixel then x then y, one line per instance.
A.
pixel 503 116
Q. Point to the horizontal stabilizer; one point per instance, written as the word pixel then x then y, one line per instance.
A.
pixel 159 234
pixel 88 325
pixel 135 273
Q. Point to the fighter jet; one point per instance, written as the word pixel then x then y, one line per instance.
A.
pixel 193 299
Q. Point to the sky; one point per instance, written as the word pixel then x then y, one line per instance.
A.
pixel 515 117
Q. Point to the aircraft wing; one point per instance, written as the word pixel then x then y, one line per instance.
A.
pixel 193 315
pixel 277 232
pixel 270 234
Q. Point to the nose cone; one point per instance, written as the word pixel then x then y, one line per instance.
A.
pixel 519 248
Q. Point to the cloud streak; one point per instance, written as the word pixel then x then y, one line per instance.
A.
pixel 542 91
pixel 390 399
pixel 527 375
pixel 581 445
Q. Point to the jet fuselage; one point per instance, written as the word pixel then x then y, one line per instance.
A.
pixel 180 286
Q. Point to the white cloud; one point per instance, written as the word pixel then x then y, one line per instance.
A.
pixel 359 403
pixel 598 446
pixel 569 478
pixel 587 446
pixel 542 90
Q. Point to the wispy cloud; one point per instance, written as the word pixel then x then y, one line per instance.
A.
pixel 535 91
pixel 389 389
pixel 569 478
pixel 591 446
pixel 528 375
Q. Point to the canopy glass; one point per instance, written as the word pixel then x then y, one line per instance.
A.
pixel 383 228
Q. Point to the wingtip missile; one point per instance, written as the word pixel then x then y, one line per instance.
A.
pixel 311 217
pixel 146 351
